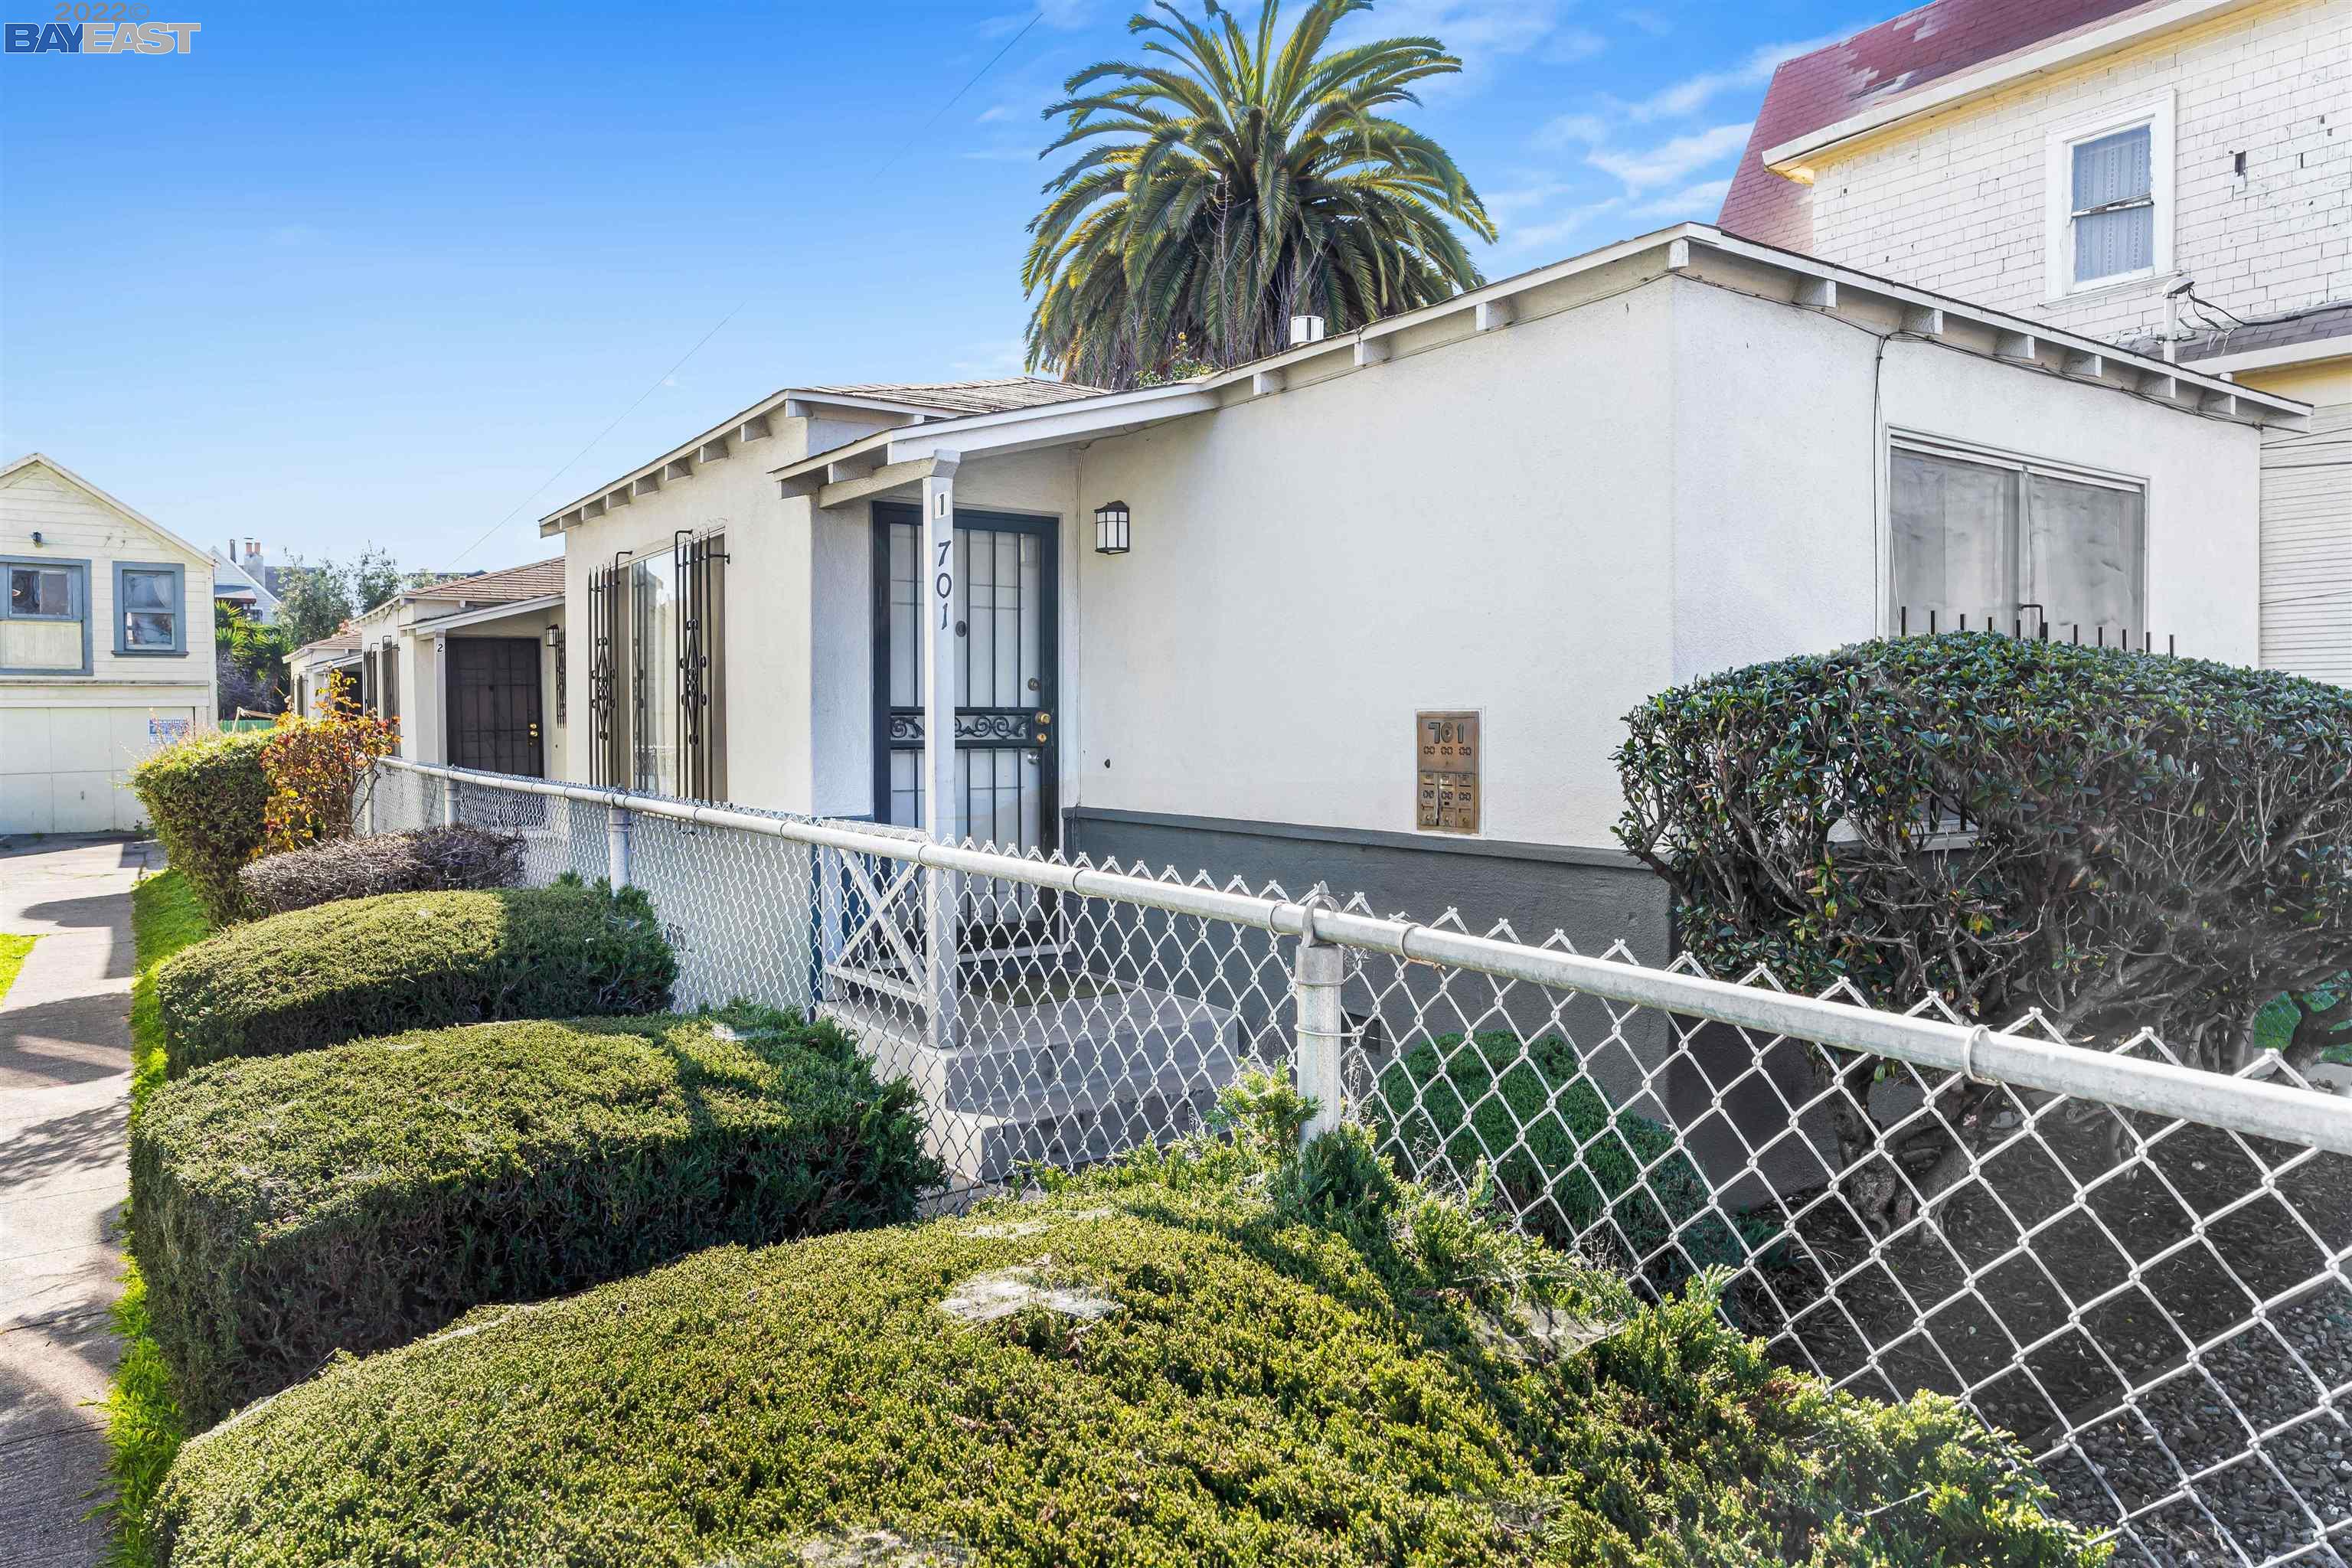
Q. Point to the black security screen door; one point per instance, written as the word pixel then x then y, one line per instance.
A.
pixel 1005 672
pixel 494 713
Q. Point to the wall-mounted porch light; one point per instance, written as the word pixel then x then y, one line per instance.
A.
pixel 555 646
pixel 1110 527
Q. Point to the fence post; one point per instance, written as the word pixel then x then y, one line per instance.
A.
pixel 1317 975
pixel 449 788
pixel 616 846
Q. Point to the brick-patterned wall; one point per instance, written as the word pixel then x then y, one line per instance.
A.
pixel 1957 206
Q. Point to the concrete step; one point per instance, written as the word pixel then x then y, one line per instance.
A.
pixel 1076 1077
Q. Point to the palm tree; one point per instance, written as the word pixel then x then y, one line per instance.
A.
pixel 1250 180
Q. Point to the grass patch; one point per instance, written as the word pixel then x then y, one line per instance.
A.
pixel 347 1200
pixel 13 950
pixel 144 1428
pixel 1189 1359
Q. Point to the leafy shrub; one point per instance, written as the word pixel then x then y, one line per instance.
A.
pixel 317 767
pixel 1260 1389
pixel 206 796
pixel 359 967
pixel 354 1198
pixel 429 859
pixel 2156 842
pixel 1567 1163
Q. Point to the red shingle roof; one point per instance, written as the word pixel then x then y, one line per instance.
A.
pixel 1845 78
pixel 535 581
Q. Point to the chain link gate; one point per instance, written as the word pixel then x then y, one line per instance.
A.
pixel 2137 1267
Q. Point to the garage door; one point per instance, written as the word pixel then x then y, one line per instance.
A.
pixel 67 770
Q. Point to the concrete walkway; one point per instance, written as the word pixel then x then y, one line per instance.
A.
pixel 65 1086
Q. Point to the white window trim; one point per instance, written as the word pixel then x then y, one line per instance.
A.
pixel 2058 194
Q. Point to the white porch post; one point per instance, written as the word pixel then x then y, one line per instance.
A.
pixel 942 602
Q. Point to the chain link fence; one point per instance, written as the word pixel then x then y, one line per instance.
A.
pixel 2137 1267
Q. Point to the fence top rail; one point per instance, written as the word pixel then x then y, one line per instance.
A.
pixel 2242 1103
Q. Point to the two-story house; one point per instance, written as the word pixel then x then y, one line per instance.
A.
pixel 2174 175
pixel 106 649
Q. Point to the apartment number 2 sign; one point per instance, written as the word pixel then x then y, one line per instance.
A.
pixel 1445 748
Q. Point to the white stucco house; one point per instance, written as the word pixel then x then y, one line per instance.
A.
pixel 2171 174
pixel 1217 624
pixel 106 649
pixel 470 668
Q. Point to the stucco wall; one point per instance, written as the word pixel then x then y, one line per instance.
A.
pixel 1955 202
pixel 1482 526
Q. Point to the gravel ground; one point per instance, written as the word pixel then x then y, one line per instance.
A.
pixel 2040 1366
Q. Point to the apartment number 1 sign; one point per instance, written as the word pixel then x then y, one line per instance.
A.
pixel 1446 758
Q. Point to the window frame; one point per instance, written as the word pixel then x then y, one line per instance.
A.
pixel 179 575
pixel 2023 466
pixel 2059 281
pixel 76 569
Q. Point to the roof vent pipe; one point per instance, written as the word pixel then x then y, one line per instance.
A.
pixel 1306 330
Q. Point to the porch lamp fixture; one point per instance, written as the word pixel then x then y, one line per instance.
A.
pixel 1110 527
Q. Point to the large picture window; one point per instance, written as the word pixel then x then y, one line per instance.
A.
pixel 1984 541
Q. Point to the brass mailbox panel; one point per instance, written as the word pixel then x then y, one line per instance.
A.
pixel 1445 762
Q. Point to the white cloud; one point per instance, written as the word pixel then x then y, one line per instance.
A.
pixel 1570 130
pixel 1694 94
pixel 1672 160
pixel 1650 22
pixel 1699 202
pixel 1573 44
pixel 1554 233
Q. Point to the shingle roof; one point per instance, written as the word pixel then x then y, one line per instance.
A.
pixel 2320 324
pixel 1844 79
pixel 993 396
pixel 341 642
pixel 536 581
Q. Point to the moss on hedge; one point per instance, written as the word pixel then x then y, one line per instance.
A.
pixel 352 1199
pixel 1262 1389
pixel 362 967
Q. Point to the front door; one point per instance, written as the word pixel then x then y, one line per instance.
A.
pixel 494 711
pixel 1005 676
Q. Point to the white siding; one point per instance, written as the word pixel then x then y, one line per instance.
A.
pixel 2307 549
pixel 1956 202
pixel 68 741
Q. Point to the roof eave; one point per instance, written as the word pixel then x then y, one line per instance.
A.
pixel 2061 53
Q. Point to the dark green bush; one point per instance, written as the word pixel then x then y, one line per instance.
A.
pixel 352 1199
pixel 1569 1166
pixel 205 797
pixel 428 859
pixel 359 967
pixel 1261 1390
pixel 2149 842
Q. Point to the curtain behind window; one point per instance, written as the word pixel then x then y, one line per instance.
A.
pixel 2114 169
pixel 2084 545
pixel 1989 541
pixel 1955 525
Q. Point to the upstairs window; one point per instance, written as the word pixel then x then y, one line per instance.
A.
pixel 149 613
pixel 1982 541
pixel 43 624
pixel 2110 202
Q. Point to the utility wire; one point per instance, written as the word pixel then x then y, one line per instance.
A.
pixel 920 132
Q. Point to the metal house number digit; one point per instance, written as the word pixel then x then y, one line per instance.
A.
pixel 943 586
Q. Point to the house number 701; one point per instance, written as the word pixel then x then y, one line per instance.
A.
pixel 943 585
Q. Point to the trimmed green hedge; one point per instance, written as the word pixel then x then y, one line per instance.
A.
pixel 1260 1389
pixel 205 797
pixel 361 967
pixel 1566 1162
pixel 352 1199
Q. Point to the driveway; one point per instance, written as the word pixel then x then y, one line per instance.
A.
pixel 65 1088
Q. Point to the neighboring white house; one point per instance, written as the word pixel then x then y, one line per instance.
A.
pixel 2160 172
pixel 471 668
pixel 318 672
pixel 1207 624
pixel 106 649
pixel 242 578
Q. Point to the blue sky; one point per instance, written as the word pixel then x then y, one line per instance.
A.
pixel 357 274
